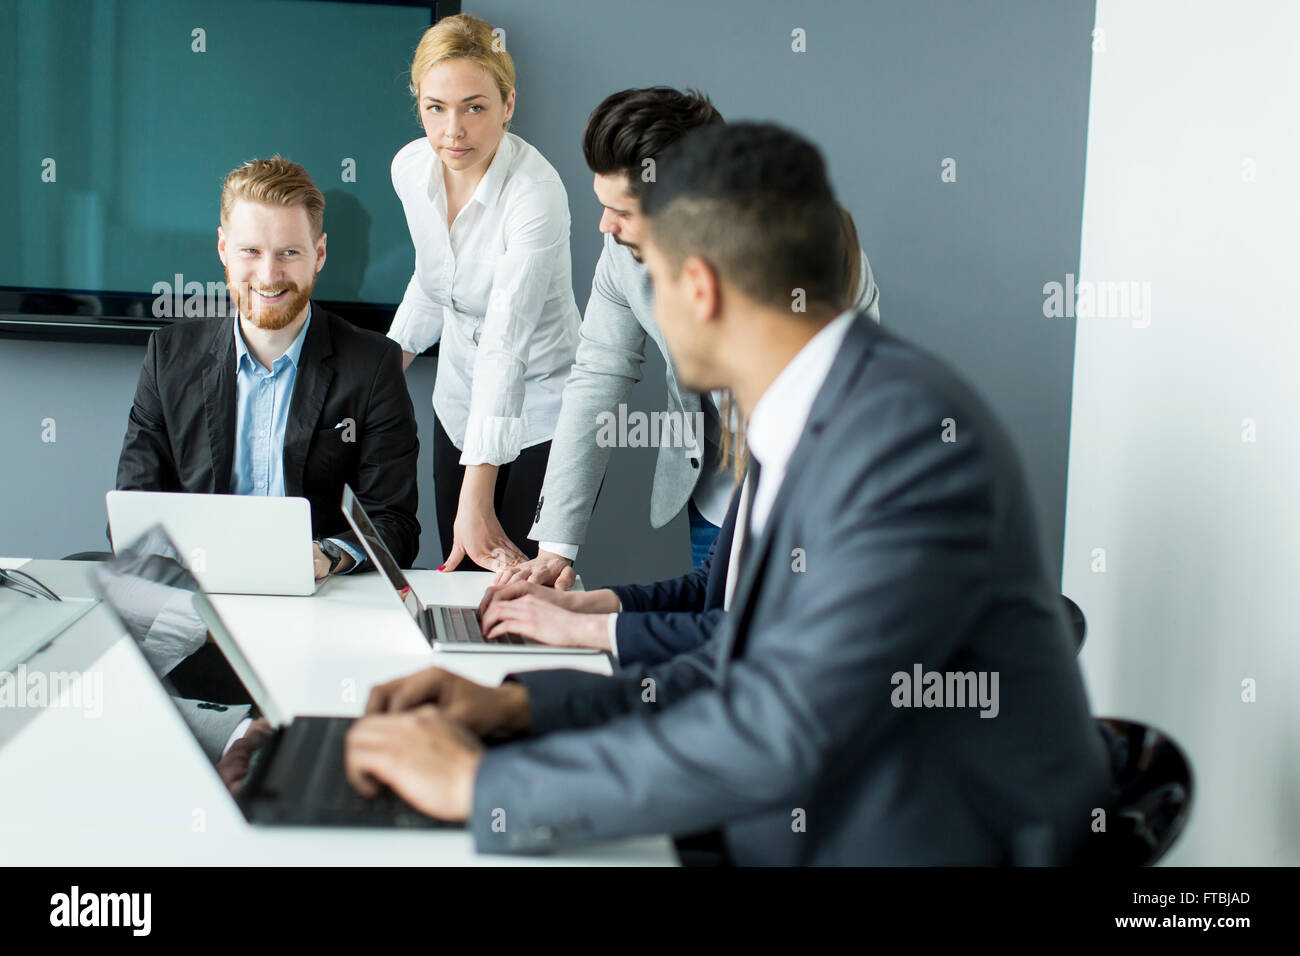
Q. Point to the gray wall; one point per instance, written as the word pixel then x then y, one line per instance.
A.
pixel 888 89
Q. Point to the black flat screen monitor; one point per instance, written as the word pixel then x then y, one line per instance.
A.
pixel 123 117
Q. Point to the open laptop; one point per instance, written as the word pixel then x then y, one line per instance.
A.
pixel 446 627
pixel 234 544
pixel 297 777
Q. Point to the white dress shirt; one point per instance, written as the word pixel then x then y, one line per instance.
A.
pixel 262 400
pixel 497 289
pixel 777 424
pixel 737 540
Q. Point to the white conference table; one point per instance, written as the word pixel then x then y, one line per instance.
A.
pixel 132 787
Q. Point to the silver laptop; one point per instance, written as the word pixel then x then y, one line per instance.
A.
pixel 232 544
pixel 445 627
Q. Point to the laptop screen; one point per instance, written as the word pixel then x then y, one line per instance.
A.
pixel 379 553
pixel 152 594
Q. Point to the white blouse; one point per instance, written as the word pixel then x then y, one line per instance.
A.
pixel 497 289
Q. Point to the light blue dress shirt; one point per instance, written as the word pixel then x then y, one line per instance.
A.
pixel 262 400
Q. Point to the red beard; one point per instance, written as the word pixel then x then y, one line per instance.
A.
pixel 269 316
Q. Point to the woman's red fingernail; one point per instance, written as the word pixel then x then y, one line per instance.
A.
pixel 441 566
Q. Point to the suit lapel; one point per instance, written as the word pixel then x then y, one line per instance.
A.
pixel 219 404
pixel 844 371
pixel 310 387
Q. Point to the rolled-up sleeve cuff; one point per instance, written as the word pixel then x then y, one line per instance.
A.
pixel 416 329
pixel 404 340
pixel 176 633
pixel 417 324
pixel 490 440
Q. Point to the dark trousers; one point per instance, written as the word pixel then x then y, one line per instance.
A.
pixel 519 485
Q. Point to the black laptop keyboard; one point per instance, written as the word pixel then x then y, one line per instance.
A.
pixel 460 625
pixel 308 771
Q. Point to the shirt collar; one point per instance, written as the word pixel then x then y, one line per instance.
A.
pixel 489 187
pixel 782 411
pixel 293 353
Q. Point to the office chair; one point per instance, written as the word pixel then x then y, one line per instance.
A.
pixel 1078 624
pixel 1151 782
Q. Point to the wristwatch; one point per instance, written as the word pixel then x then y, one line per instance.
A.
pixel 331 551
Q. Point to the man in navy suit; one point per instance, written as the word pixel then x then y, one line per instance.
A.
pixel 894 683
pixel 636 623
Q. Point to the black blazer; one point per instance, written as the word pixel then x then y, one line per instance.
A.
pixel 662 620
pixel 181 432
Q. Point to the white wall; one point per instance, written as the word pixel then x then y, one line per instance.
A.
pixel 1200 526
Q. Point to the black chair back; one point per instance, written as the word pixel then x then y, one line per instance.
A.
pixel 1078 624
pixel 1152 793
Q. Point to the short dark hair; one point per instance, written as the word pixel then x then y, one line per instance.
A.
pixel 754 201
pixel 631 126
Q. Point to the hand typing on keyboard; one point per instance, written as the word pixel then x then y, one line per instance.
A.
pixel 427 760
pixel 484 710
pixel 558 618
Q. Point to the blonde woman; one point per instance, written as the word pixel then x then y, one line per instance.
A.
pixel 489 218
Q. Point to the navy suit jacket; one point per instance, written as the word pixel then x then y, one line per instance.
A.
pixel 661 620
pixel 799 728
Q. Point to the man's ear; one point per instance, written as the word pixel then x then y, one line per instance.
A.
pixel 705 290
pixel 320 253
pixel 221 245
